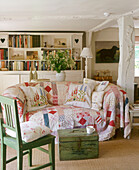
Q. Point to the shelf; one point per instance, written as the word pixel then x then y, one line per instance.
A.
pixel 45 48
pixel 22 47
pixel 24 60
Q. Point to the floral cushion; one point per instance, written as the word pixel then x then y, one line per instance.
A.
pixel 79 95
pixel 56 92
pixel 30 131
pixel 101 85
pixel 35 96
pixel 97 98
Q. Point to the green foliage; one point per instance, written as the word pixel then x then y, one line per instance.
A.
pixel 60 60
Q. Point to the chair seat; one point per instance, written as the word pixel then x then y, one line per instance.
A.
pixel 10 141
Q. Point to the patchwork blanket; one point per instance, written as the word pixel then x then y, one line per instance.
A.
pixel 113 115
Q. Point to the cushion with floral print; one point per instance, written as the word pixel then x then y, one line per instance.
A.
pixel 30 131
pixel 97 98
pixel 79 95
pixel 35 96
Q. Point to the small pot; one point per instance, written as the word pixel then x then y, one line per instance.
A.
pixel 60 76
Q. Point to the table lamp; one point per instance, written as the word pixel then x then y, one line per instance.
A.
pixel 86 53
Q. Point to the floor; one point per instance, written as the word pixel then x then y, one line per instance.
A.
pixel 115 154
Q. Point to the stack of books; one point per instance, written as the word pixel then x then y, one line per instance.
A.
pixel 134 106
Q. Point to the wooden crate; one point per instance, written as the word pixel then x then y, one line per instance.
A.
pixel 76 144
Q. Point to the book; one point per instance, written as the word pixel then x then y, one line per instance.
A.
pixel 40 66
pixel 28 41
pixel 2 54
pixel 2 64
pixel 28 65
pixel 13 41
pixel 25 65
pixel 20 39
pixel 14 66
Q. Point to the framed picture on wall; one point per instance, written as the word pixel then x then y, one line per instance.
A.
pixel 107 51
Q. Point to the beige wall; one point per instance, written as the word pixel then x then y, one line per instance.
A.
pixel 109 34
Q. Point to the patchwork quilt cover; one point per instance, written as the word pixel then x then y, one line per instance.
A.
pixel 114 115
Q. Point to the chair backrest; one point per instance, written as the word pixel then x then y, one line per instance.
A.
pixel 9 117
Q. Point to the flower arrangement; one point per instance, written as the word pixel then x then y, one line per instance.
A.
pixel 60 60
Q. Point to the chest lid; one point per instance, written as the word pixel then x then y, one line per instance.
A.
pixel 78 134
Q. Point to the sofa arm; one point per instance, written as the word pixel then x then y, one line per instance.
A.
pixel 17 93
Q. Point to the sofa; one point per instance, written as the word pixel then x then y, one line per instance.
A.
pixel 62 105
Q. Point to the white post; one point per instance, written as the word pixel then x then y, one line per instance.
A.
pixel 86 67
pixel 127 55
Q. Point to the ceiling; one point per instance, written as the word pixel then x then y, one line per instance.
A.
pixel 64 15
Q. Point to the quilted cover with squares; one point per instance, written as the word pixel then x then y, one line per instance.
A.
pixel 114 115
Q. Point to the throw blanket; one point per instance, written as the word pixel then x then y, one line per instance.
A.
pixel 115 114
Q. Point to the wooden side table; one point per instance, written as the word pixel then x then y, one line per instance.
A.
pixel 133 113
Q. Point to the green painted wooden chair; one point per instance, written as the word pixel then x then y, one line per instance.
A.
pixel 12 122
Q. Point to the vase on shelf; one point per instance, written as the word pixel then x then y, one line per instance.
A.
pixel 60 76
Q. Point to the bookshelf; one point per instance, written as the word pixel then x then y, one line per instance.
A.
pixel 19 51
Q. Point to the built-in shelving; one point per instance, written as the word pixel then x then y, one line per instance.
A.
pixel 20 50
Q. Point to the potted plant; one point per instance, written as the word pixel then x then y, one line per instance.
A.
pixel 59 61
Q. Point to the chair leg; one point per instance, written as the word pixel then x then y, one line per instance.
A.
pixel 52 153
pixel 19 160
pixel 30 157
pixel 3 156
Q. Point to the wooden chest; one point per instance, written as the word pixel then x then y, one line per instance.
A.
pixel 77 144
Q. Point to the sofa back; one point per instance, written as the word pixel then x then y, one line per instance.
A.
pixel 56 94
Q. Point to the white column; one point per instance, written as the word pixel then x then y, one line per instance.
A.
pixel 127 55
pixel 89 60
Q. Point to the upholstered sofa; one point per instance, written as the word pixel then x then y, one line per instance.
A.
pixel 61 105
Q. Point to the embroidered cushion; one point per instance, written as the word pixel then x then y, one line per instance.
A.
pixel 92 82
pixel 97 98
pixel 101 85
pixel 35 96
pixel 79 95
pixel 30 131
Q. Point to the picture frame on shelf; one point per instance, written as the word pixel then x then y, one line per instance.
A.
pixel 77 41
pixel 32 55
pixel 3 41
pixel 60 42
pixel 76 54
pixel 17 55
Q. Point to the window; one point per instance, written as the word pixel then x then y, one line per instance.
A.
pixel 137 59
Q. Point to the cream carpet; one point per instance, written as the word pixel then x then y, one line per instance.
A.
pixel 115 154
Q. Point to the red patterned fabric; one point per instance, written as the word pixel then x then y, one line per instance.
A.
pixel 115 112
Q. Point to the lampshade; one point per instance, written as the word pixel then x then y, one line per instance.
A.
pixel 86 53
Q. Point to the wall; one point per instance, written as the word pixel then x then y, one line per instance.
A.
pixel 110 34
